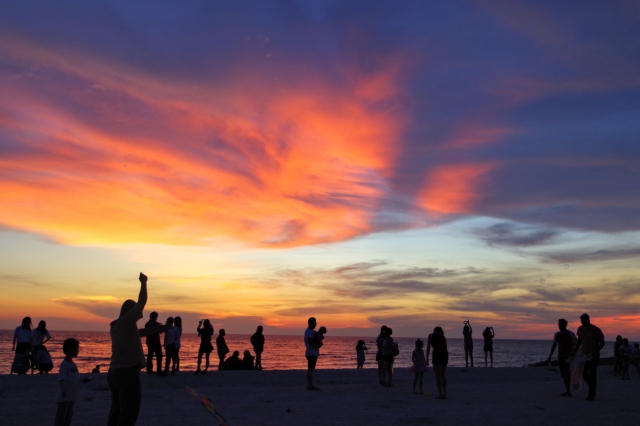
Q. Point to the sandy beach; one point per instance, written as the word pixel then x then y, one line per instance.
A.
pixel 498 396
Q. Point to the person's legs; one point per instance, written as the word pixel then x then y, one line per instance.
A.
pixel 311 365
pixel 206 361
pixel 436 372
pixel 176 360
pixel 421 380
pixel 471 355
pixel 388 366
pixel 221 364
pixel 150 353
pixel 565 373
pixel 64 413
pixel 168 357
pixel 200 353
pixel 466 356
pixel 415 381
pixel 126 394
pixel 443 380
pixel 259 360
pixel 485 358
pixel 491 356
pixel 589 376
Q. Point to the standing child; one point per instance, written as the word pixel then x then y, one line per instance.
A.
pixel 69 382
pixel 419 365
pixel 360 350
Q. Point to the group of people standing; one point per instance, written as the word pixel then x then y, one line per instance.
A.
pixel 172 341
pixel 624 356
pixel 30 350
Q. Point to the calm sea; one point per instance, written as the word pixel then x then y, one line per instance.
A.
pixel 285 352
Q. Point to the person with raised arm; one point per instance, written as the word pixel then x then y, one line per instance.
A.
pixel 591 339
pixel 205 331
pixel 488 334
pixel 467 333
pixel 127 359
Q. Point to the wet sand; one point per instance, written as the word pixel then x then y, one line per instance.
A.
pixel 498 396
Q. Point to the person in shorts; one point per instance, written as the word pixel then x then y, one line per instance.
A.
pixel 311 352
pixel 564 340
pixel 69 383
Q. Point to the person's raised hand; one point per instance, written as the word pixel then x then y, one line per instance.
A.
pixel 142 278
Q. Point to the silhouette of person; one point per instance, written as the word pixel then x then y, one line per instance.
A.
pixel 22 337
pixel 617 365
pixel 257 341
pixel 205 332
pixel 318 338
pixel 222 347
pixel 247 361
pixel 467 333
pixel 564 340
pixel 154 348
pixel 175 366
pixel 591 339
pixel 625 354
pixel 311 352
pixel 379 356
pixel 169 344
pixel 360 350
pixel 418 366
pixel 42 361
pixel 440 359
pixel 387 353
pixel 233 362
pixel 127 359
pixel 488 334
pixel 39 336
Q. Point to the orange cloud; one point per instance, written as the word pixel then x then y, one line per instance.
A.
pixel 107 154
pixel 454 189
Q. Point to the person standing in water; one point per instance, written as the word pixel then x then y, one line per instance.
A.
pixel 467 333
pixel 127 359
pixel 591 339
pixel 564 340
pixel 257 341
pixel 488 335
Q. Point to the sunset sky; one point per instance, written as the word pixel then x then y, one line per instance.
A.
pixel 407 163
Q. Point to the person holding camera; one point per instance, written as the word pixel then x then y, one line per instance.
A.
pixel 467 333
pixel 205 332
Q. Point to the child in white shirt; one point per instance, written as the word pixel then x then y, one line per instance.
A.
pixel 69 382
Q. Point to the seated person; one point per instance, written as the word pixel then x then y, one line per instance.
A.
pixel 319 337
pixel 247 361
pixel 43 361
pixel 233 362
pixel 96 370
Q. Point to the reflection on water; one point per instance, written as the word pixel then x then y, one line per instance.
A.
pixel 285 352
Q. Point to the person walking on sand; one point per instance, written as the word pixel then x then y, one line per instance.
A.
pixel 127 359
pixel 419 365
pixel 564 340
pixel 257 341
pixel 205 332
pixel 68 382
pixel 154 348
pixel 488 334
pixel 467 333
pixel 311 352
pixel 223 349
pixel 379 356
pixel 388 353
pixel 591 340
pixel 439 360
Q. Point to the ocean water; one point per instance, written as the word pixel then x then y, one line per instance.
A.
pixel 285 352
